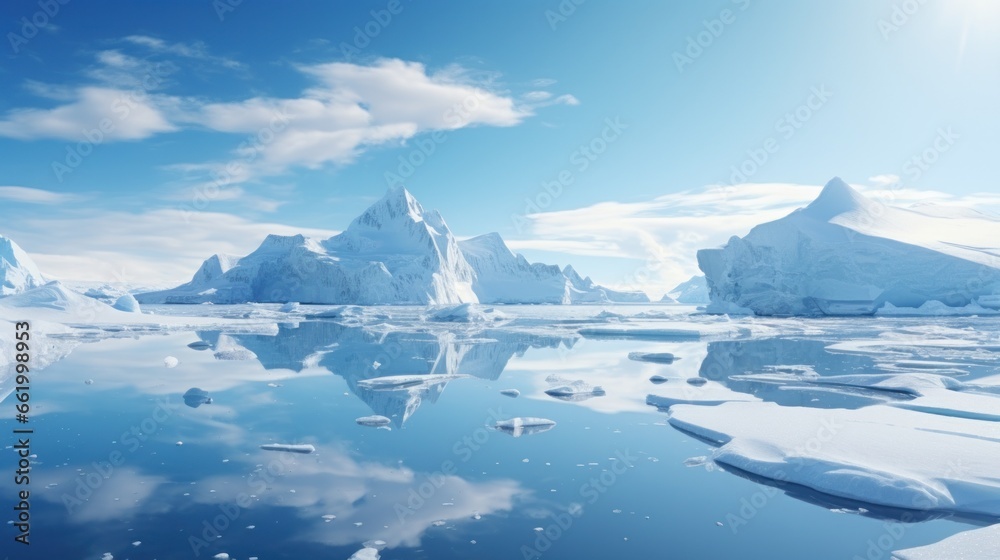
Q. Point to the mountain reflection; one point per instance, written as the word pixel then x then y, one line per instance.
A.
pixel 358 353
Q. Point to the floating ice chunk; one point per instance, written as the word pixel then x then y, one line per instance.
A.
pixel 338 312
pixel 514 393
pixel 329 517
pixel 373 421
pixel 107 556
pixel 222 556
pixel 525 426
pixel 289 307
pixel 466 313
pixel 394 382
pixel 366 553
pixel 136 543
pixel 874 455
pixel 710 393
pixel 195 397
pixel 289 447
pixel 696 461
pixel 575 391
pixel 655 357
pixel 128 304
pixel 171 362
pixel 627 332
pixel 438 523
pixel 88 382
pixel 179 443
pixel 977 544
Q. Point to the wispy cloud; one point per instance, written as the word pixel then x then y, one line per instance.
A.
pixel 197 50
pixel 34 196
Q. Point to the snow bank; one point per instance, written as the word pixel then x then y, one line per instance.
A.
pixel 977 544
pixel 847 255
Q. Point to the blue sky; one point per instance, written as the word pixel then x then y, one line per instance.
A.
pixel 493 100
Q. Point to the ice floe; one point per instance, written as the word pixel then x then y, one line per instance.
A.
pixel 289 447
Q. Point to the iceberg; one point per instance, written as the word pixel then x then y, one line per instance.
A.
pixel 845 254
pixel 395 253
pixel 127 303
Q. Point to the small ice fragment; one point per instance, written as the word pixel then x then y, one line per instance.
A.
pixel 438 523
pixel 365 553
pixel 473 541
pixel 616 511
pixel 251 527
pixel 695 461
pixel 89 382
pixel 658 379
pixel 290 447
pixel 719 523
pixel 525 460
pixel 539 529
pixel 179 443
pixel 136 543
pixel 289 307
pixel 376 364
pixel 373 421
pixel 697 381
pixel 358 524
pixel 513 393
pixel 107 556
pixel 195 397
pixel 222 556
pixel 171 361
pixel 274 384
pixel 476 516
pixel 525 426
pixel 329 517
pixel 654 357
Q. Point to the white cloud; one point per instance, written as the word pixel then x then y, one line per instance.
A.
pixel 123 114
pixel 661 237
pixel 158 247
pixel 34 196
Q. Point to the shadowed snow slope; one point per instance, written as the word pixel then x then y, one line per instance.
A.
pixel 17 271
pixel 394 253
pixel 845 255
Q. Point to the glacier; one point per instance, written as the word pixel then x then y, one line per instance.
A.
pixel 395 252
pixel 845 254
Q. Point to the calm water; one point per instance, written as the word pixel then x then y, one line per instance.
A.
pixel 608 481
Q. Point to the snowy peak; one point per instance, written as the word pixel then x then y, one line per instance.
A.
pixel 836 198
pixel 18 272
pixel 398 205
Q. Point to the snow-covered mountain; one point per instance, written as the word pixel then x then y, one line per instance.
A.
pixel 846 254
pixel 394 253
pixel 18 272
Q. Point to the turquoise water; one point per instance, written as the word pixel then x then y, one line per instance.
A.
pixel 608 481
